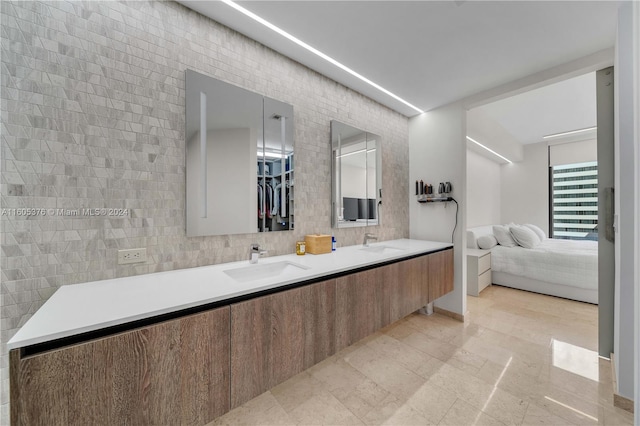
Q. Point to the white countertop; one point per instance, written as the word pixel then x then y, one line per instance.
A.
pixel 80 308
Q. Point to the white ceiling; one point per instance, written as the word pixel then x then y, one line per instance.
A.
pixel 560 107
pixel 428 52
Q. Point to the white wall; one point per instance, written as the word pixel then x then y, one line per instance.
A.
pixel 525 188
pixel 354 181
pixel 437 151
pixel 484 185
pixel 626 186
pixel 484 129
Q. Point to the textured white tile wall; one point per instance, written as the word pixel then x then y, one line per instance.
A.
pixel 92 116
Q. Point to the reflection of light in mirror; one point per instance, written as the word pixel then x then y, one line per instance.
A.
pixel 271 155
pixel 283 166
pixel 203 153
pixel 572 409
pixel 575 359
pixel 356 152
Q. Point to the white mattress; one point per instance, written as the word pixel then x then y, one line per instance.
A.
pixel 566 262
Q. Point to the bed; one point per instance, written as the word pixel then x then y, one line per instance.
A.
pixel 563 268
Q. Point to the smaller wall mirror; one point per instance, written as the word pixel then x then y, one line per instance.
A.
pixel 356 176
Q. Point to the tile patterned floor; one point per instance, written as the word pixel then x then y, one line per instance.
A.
pixel 519 359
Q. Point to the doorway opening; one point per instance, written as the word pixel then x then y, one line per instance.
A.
pixel 534 160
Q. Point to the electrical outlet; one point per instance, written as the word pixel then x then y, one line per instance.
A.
pixel 138 255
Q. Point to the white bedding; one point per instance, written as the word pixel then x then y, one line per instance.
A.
pixel 566 262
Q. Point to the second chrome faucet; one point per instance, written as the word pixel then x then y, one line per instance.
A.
pixel 367 237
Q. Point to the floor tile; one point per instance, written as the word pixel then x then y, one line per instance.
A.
pixel 431 346
pixel 432 402
pixel 323 409
pixel 519 359
pixel 462 413
pixel 395 411
pixel 362 399
pixel 387 373
pixel 536 415
pixel 261 410
pixel 297 390
pixel 504 406
pixel 400 352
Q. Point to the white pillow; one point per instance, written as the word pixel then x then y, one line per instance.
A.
pixel 539 232
pixel 524 236
pixel 487 242
pixel 503 235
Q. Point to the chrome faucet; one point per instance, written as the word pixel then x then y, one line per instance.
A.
pixel 368 236
pixel 255 252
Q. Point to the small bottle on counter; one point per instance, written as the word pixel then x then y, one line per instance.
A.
pixel 301 248
pixel 333 243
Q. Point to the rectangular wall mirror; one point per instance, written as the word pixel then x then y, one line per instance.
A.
pixel 239 165
pixel 356 176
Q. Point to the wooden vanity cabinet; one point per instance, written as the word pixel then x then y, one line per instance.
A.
pixel 194 368
pixel 175 372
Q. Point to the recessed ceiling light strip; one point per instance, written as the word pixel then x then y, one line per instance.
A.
pixel 555 135
pixel 489 149
pixel 316 52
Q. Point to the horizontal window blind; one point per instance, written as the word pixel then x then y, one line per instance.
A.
pixel 573 152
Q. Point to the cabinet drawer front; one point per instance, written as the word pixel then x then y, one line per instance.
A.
pixel 484 263
pixel 484 280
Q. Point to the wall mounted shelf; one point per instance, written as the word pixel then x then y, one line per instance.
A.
pixel 434 199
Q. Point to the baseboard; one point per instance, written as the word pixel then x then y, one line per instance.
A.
pixel 622 402
pixel 619 400
pixel 449 314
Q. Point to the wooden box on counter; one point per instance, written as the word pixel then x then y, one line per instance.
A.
pixel 317 243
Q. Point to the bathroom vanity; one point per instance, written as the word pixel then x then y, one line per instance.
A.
pixel 187 346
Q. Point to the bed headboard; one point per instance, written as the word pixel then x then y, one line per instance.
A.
pixel 474 233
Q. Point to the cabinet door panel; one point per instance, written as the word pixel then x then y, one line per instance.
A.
pixel 319 322
pixel 276 337
pixel 362 306
pixel 412 273
pixel 424 283
pixel 440 274
pixel 205 365
pixel 408 286
pixel 250 349
pixel 144 375
pixel 395 289
pixel 287 336
pixel 38 389
pixel 136 377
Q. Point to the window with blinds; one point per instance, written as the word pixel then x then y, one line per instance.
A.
pixel 575 201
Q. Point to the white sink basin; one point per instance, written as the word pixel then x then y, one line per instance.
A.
pixel 382 249
pixel 263 270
